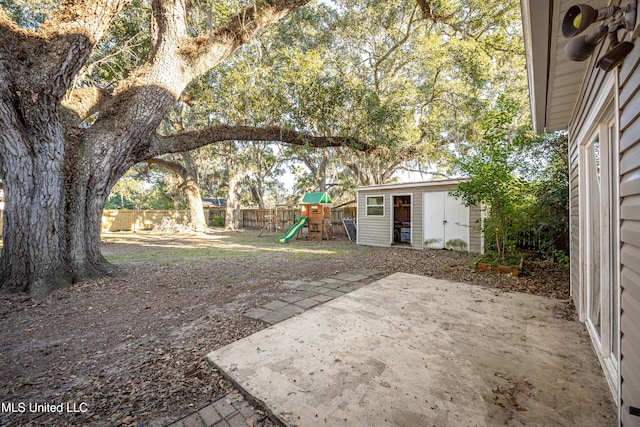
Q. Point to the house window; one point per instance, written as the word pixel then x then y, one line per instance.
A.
pixel 375 205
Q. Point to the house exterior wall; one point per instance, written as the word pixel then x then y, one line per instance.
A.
pixel 606 115
pixel 373 230
pixel 629 105
pixel 476 242
pixel 377 230
pixel 580 129
pixel 610 102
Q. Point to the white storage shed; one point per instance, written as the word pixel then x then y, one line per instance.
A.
pixel 418 215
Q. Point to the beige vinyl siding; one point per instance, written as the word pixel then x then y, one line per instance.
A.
pixel 475 224
pixel 416 220
pixel 630 236
pixel 376 230
pixel 592 88
pixel 373 230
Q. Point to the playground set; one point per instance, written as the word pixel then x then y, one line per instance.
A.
pixel 315 214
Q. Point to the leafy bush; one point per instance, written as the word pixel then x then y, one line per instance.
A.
pixel 520 180
pixel 491 165
pixel 561 257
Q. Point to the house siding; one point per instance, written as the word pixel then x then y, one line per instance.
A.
pixel 629 104
pixel 475 225
pixel 374 230
pixel 628 91
pixel 417 223
pixel 593 88
pixel 574 223
pixel 592 116
pixel 620 214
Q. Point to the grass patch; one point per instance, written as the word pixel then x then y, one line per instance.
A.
pixel 191 250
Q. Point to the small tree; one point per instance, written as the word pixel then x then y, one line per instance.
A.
pixel 549 176
pixel 491 165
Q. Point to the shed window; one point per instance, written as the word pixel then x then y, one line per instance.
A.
pixel 375 205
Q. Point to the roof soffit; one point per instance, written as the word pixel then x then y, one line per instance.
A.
pixel 554 81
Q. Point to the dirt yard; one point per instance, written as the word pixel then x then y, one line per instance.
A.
pixel 132 347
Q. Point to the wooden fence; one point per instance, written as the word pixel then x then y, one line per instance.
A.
pixel 257 219
pixel 543 241
pixel 134 220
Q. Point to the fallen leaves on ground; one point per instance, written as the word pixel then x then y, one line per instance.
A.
pixel 133 348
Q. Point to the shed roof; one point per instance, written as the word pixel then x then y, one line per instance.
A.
pixel 211 202
pixel 316 198
pixel 407 185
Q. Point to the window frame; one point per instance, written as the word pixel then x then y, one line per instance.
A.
pixel 604 126
pixel 376 205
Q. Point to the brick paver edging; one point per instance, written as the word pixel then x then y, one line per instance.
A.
pixel 309 295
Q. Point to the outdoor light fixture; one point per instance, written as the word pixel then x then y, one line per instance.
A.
pixel 579 17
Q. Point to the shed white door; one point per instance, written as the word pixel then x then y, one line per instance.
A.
pixel 446 221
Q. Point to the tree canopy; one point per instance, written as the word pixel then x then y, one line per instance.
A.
pixel 411 80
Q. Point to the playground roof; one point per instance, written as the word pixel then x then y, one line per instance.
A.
pixel 316 198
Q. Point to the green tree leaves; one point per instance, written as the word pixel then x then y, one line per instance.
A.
pixel 414 79
pixel 522 181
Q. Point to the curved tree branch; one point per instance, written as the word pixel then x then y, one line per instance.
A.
pixel 208 50
pixel 176 60
pixel 174 167
pixel 55 52
pixel 189 140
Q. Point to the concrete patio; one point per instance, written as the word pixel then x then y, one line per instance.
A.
pixel 415 351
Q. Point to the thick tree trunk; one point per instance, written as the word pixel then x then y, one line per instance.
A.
pixel 196 208
pixel 188 179
pixel 233 179
pixel 52 243
pixel 31 163
pixel 232 211
pixel 192 193
pixel 34 247
pixel 49 237
pixel 51 219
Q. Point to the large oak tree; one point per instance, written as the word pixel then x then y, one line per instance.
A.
pixel 63 147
